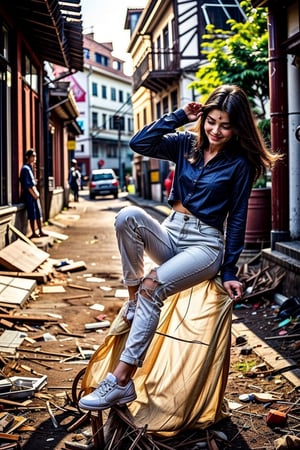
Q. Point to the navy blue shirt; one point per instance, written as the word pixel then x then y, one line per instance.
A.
pixel 217 193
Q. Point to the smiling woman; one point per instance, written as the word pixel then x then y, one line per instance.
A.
pixel 214 172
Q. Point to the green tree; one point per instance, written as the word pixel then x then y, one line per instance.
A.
pixel 238 56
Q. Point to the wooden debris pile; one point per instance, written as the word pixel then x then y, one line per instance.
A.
pixel 258 280
pixel 120 432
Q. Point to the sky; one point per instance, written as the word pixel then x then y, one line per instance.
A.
pixel 106 18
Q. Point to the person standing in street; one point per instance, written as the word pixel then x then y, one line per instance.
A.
pixel 30 194
pixel 74 180
pixel 216 164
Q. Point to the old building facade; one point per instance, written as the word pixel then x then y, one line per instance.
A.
pixel 36 111
pixel 103 93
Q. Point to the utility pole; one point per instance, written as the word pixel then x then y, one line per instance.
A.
pixel 118 125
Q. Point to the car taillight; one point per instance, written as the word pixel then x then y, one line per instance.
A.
pixel 115 183
pixel 92 184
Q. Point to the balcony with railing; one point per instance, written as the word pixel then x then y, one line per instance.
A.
pixel 157 70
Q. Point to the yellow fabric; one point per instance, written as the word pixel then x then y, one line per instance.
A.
pixel 182 382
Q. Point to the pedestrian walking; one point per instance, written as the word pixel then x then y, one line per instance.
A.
pixel 30 194
pixel 74 180
pixel 216 164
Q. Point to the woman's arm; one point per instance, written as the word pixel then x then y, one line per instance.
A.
pixel 158 138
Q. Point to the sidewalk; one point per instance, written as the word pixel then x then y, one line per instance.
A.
pixel 163 208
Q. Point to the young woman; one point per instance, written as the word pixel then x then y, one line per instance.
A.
pixel 204 234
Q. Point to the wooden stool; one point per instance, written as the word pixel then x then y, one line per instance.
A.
pixel 97 429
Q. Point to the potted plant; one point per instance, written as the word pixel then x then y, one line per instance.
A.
pixel 258 226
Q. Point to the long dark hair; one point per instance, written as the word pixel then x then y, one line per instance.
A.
pixel 246 139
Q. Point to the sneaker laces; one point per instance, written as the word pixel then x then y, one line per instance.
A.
pixel 105 386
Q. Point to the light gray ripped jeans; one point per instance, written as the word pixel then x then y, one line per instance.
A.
pixel 187 252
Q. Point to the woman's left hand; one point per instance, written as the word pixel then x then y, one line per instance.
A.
pixel 234 289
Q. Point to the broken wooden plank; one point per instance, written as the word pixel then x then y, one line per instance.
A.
pixel 77 286
pixel 56 235
pixel 22 317
pixel 20 235
pixel 39 277
pixel 74 297
pixel 10 437
pixel 21 256
pixel 56 289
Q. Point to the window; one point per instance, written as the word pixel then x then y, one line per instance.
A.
pixel 217 12
pixel 117 65
pixel 95 151
pixel 112 151
pixel 30 74
pixel 121 96
pixel 113 94
pixel 104 91
pixel 158 110
pixel 31 106
pixel 159 65
pixel 165 105
pixel 86 53
pixel 101 59
pixel 174 102
pixel 166 47
pixel 94 89
pixel 5 119
pixel 130 125
pixel 128 98
pixel 104 119
pixel 94 120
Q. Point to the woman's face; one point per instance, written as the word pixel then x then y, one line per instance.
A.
pixel 218 129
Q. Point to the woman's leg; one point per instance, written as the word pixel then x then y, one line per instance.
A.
pixel 137 232
pixel 200 251
pixel 199 256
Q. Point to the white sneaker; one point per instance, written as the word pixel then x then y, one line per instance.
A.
pixel 107 394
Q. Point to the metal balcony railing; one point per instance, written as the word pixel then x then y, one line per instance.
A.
pixel 157 69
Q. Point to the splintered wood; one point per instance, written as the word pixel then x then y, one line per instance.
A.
pixel 121 431
pixel 258 280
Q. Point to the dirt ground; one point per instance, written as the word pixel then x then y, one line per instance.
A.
pixel 89 226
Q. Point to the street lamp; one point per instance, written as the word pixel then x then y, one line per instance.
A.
pixel 118 126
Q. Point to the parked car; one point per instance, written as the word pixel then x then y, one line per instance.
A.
pixel 103 182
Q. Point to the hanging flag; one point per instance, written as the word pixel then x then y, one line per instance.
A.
pixel 79 92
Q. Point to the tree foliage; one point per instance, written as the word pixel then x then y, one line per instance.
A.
pixel 238 56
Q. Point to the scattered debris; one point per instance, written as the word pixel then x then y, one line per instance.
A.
pixel 22 257
pixel 21 387
pixel 94 326
pixel 258 280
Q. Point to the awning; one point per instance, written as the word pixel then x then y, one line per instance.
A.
pixel 53 28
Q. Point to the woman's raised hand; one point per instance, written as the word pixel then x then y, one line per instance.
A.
pixel 193 111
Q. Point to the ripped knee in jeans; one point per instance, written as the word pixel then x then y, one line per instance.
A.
pixel 149 284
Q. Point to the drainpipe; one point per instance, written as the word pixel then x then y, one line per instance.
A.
pixel 294 143
pixel 279 123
